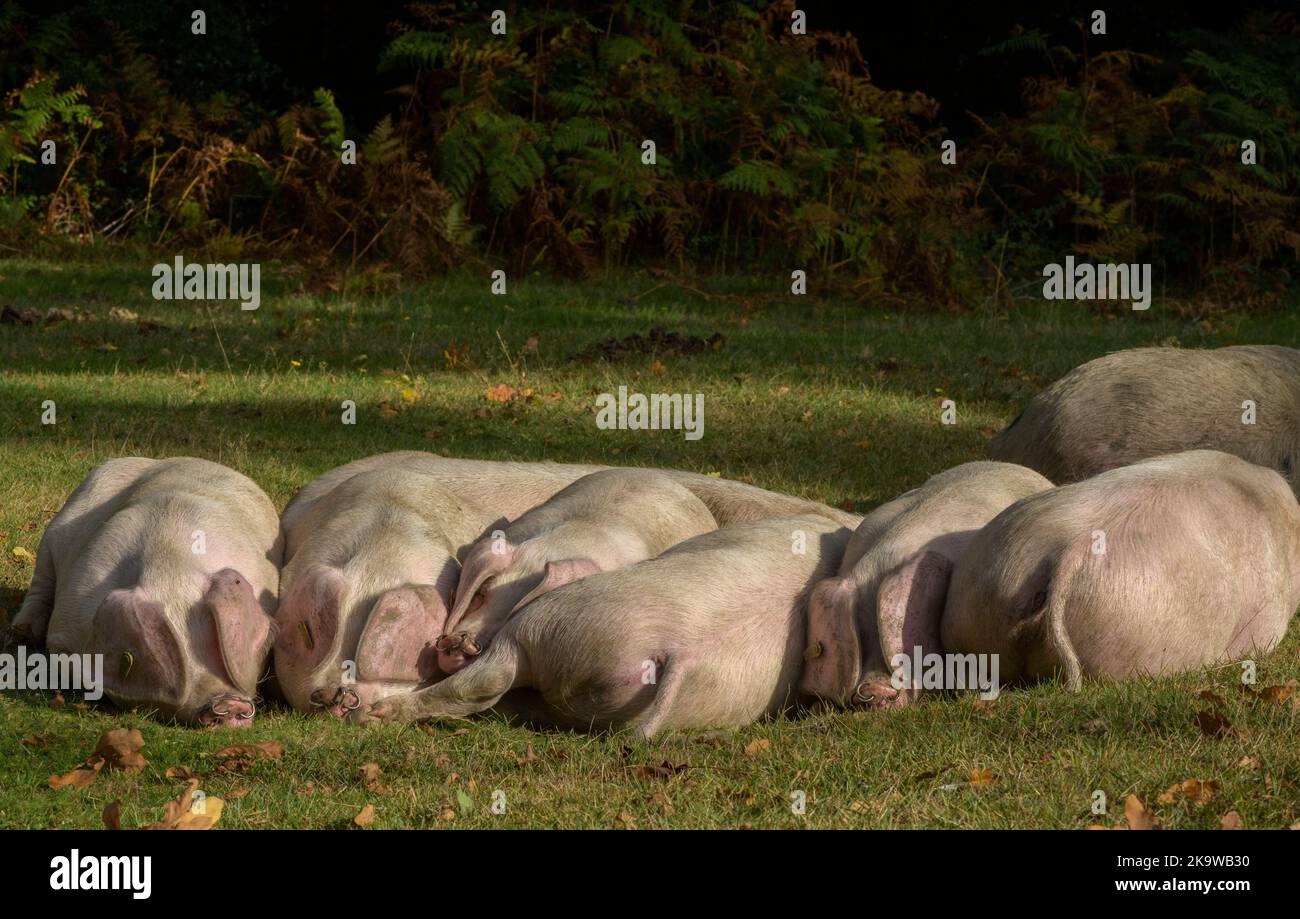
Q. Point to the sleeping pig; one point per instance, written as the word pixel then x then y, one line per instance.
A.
pixel 170 569
pixel 890 591
pixel 1132 405
pixel 1167 565
pixel 603 521
pixel 709 634
pixel 371 564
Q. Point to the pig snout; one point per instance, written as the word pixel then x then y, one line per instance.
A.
pixel 337 702
pixel 876 693
pixel 456 651
pixel 228 712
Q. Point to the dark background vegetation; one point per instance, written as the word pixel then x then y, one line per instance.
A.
pixel 774 151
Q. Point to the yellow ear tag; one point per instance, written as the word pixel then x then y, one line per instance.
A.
pixel 125 665
pixel 813 651
pixel 305 630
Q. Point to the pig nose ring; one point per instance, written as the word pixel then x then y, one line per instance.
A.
pixel 446 643
pixel 860 696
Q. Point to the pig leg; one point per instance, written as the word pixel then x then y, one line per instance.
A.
pixel 665 693
pixel 474 689
pixel 33 617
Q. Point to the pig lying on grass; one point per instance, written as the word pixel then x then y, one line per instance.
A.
pixel 1132 405
pixel 170 569
pixel 709 634
pixel 603 521
pixel 889 595
pixel 365 593
pixel 1164 566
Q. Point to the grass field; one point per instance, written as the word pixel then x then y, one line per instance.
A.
pixel 818 397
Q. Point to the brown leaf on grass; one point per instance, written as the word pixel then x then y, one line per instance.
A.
pixel 1231 821
pixel 58 699
pixel 758 747
pixel 1276 695
pixel 1212 724
pixel 1197 791
pixel 237 794
pixel 187 811
pixel 503 392
pixel 120 749
pixel 117 749
pixel 1248 762
pixel 365 816
pixel 112 816
pixel 528 757
pixel 982 777
pixel 78 778
pixel 1210 696
pixel 459 732
pixel 1137 815
pixel 369 775
pixel 664 770
pixel 185 773
pixel 36 741
pixel 239 757
pixel 628 821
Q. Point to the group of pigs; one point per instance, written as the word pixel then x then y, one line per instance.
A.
pixel 409 586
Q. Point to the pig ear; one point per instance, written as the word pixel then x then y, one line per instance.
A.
pixel 308 619
pixel 397 644
pixel 559 572
pixel 143 657
pixel 481 564
pixel 909 606
pixel 833 655
pixel 244 631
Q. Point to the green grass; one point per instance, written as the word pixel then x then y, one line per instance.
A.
pixel 818 397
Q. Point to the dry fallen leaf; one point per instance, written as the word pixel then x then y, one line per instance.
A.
pixel 180 813
pixel 370 774
pixel 627 820
pixel 117 749
pixel 237 794
pixel 1276 695
pixel 77 778
pixel 528 757
pixel 758 747
pixel 1196 791
pixel 366 816
pixel 502 393
pixel 1139 818
pixel 184 773
pixel 112 816
pixel 120 749
pixel 1231 821
pixel 982 777
pixel 239 757
pixel 1213 724
pixel 664 770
